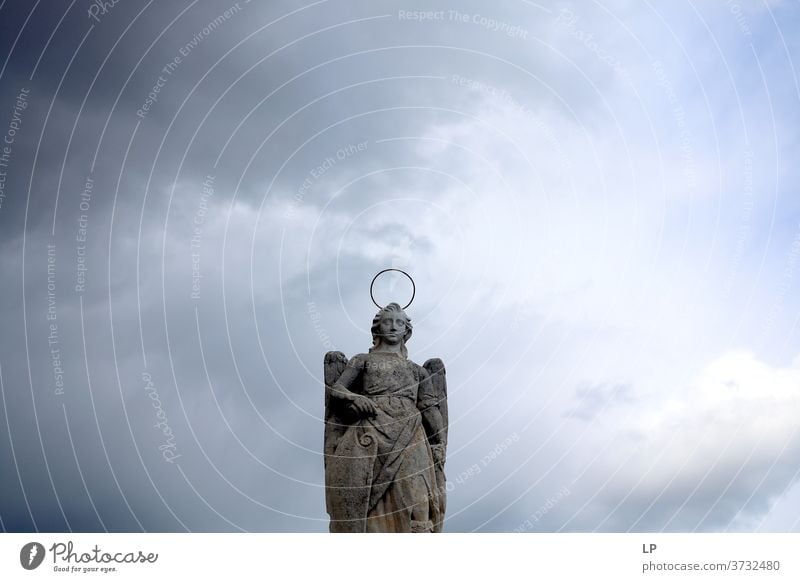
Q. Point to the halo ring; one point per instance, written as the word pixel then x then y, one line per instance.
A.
pixel 413 287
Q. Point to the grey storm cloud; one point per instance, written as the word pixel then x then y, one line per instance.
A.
pixel 197 196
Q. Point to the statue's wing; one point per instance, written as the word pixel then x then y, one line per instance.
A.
pixel 435 367
pixel 348 458
pixel 334 364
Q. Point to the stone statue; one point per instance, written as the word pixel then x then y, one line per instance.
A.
pixel 385 435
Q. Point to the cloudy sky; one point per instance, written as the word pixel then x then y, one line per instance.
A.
pixel 598 202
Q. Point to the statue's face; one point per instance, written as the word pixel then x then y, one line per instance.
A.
pixel 393 327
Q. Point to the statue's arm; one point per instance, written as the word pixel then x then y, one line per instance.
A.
pixel 341 388
pixel 428 405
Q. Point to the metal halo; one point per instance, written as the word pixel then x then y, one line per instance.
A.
pixel 413 287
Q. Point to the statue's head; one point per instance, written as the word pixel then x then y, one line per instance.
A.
pixel 391 326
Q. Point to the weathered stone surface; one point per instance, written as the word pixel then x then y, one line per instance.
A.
pixel 385 435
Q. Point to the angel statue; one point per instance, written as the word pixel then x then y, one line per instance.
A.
pixel 385 434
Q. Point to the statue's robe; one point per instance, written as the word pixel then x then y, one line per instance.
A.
pixel 379 471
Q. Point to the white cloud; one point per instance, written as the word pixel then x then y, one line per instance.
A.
pixel 711 454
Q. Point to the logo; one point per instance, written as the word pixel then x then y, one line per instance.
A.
pixel 31 555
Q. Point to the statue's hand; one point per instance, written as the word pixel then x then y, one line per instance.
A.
pixel 363 406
